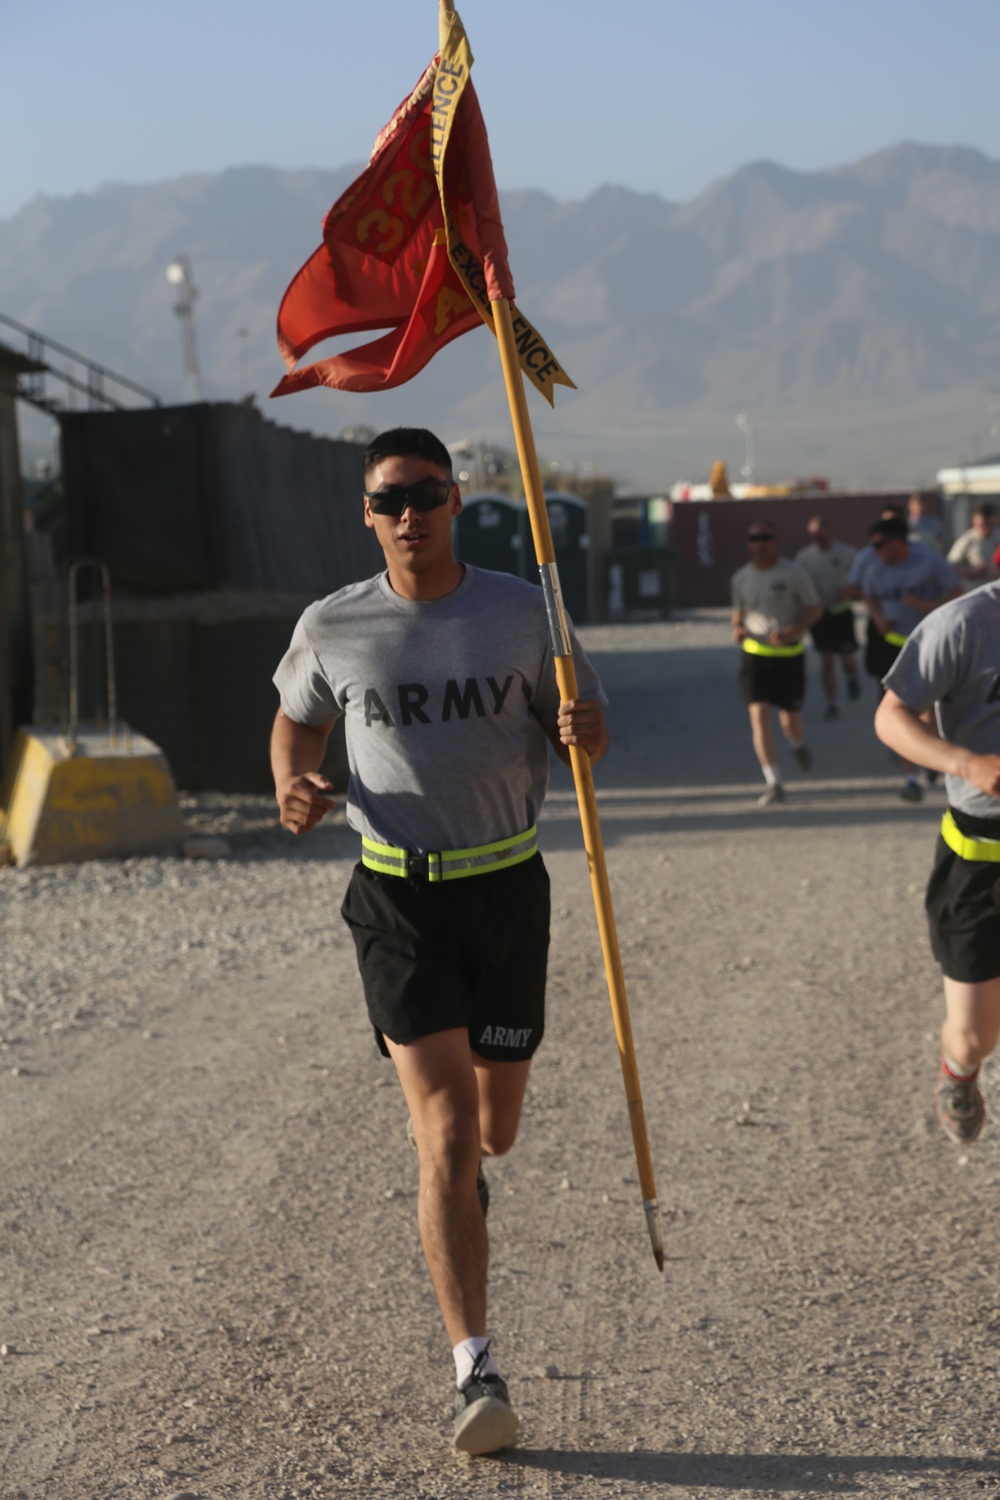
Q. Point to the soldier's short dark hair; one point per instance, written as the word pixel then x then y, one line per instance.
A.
pixel 406 442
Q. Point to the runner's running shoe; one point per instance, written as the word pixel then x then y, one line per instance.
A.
pixel 853 687
pixel 911 791
pixel 804 758
pixel 771 795
pixel 959 1106
pixel 485 1422
pixel 831 711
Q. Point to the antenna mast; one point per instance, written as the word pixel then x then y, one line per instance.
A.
pixel 180 275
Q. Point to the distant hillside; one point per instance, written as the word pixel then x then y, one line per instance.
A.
pixel 853 314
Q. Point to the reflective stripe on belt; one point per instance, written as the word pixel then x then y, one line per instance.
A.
pixel 894 638
pixel 967 848
pixel 449 864
pixel 760 648
pixel 841 608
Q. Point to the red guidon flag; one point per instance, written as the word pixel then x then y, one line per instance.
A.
pixel 415 245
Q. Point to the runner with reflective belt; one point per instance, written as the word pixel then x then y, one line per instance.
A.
pixel 828 563
pixel 902 584
pixel 774 604
pixel 951 663
pixel 444 677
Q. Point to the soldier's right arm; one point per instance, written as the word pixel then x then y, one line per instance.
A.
pixel 297 752
pixel 911 736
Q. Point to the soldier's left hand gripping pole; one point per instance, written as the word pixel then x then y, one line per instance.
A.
pixel 579 759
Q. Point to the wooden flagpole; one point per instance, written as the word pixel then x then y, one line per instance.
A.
pixel 582 772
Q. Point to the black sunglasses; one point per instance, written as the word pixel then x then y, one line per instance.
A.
pixel 395 498
pixel 760 536
pixel 877 546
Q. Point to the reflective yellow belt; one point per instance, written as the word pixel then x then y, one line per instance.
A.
pixel 967 848
pixel 894 638
pixel 758 648
pixel 449 864
pixel 841 608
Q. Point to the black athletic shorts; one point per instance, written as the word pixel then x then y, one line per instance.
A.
pixel 963 908
pixel 469 953
pixel 879 654
pixel 780 680
pixel 834 631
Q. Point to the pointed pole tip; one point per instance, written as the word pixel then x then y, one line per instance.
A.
pixel 652 1209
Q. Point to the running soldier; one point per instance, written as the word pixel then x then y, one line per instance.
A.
pixel 903 583
pixel 971 554
pixel 828 563
pixel 951 662
pixel 774 604
pixel 444 674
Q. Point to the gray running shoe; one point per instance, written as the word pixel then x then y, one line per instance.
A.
pixel 804 758
pixel 771 795
pixel 911 792
pixel 959 1106
pixel 853 687
pixel 485 1421
pixel 482 1186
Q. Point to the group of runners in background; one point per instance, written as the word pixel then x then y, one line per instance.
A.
pixel 900 576
pixel 933 646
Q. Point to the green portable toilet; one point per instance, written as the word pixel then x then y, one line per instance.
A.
pixel 491 532
pixel 569 518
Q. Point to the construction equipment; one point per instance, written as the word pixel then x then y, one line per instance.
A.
pixel 93 791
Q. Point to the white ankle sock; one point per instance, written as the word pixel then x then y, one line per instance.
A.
pixel 960 1070
pixel 772 775
pixel 464 1355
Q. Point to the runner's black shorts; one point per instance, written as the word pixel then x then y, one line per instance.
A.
pixel 780 680
pixel 457 953
pixel 963 908
pixel 834 631
pixel 879 654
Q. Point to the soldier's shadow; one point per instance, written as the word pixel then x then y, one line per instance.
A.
pixel 814 1473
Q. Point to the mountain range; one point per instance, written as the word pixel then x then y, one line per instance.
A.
pixel 851 315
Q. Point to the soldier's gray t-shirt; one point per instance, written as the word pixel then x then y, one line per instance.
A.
pixel 952 660
pixel 922 573
pixel 772 598
pixel 829 569
pixel 446 704
pixel 868 554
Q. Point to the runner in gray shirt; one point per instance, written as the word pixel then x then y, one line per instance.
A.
pixel 446 680
pixel 903 583
pixel 828 563
pixel 951 663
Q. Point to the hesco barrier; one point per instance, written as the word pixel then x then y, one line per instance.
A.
pixel 222 526
pixel 194 675
pixel 212 496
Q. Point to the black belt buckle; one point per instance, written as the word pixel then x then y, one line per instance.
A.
pixel 416 866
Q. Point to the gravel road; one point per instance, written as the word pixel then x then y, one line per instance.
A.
pixel 210 1279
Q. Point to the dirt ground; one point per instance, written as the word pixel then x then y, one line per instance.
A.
pixel 210 1279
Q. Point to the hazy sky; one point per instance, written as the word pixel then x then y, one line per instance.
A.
pixel 656 95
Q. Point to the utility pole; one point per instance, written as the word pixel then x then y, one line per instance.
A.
pixel 180 275
pixel 749 465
